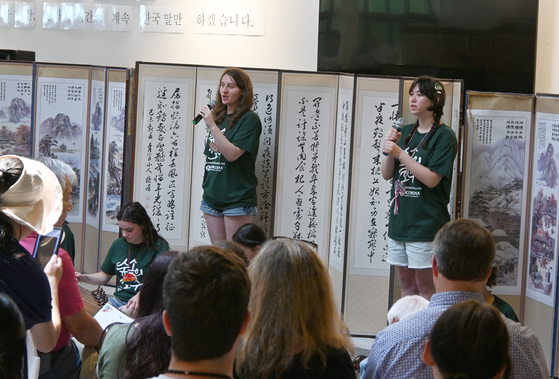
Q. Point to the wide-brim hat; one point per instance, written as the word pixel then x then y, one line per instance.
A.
pixel 35 200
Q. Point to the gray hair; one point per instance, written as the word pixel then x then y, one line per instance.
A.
pixel 405 307
pixel 61 170
pixel 464 251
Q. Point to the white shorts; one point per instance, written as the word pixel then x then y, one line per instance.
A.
pixel 416 255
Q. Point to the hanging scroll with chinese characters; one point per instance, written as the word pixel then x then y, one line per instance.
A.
pixel 306 158
pixel 163 147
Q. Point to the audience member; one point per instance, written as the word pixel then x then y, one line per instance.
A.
pixel 295 330
pixel 64 360
pixel 251 238
pixel 463 255
pixel 469 340
pixel 67 179
pixel 129 257
pixel 30 201
pixel 234 247
pixel 405 307
pixel 142 349
pixel 400 310
pixel 496 301
pixel 206 294
pixel 12 340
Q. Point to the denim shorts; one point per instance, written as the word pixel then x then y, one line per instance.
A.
pixel 416 255
pixel 241 211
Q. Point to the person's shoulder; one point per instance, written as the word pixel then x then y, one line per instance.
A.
pixel 116 333
pixel 161 244
pixel 251 118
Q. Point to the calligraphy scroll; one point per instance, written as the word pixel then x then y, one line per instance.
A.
pixel 342 163
pixel 306 158
pixel 163 147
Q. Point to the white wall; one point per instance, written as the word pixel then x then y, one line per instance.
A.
pixel 290 41
pixel 547 55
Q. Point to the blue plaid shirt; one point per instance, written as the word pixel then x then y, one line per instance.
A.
pixel 398 349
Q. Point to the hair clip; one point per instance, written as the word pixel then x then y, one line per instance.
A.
pixel 439 88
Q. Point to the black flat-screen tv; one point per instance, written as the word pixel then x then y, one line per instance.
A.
pixel 490 44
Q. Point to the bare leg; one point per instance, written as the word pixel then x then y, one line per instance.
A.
pixel 216 227
pixel 424 280
pixel 409 285
pixel 233 223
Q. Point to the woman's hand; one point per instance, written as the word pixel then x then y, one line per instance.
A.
pixel 391 148
pixel 133 305
pixel 53 269
pixel 206 113
pixel 393 135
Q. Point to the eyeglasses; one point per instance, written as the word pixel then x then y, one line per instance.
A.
pixel 314 245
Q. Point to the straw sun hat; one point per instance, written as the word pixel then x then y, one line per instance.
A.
pixel 35 200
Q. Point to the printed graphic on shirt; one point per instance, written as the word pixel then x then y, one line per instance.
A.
pixel 408 179
pixel 129 275
pixel 213 154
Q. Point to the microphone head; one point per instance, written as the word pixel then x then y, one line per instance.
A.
pixel 211 104
pixel 399 124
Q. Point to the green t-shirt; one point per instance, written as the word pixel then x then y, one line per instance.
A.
pixel 423 210
pixel 130 273
pixel 112 361
pixel 229 185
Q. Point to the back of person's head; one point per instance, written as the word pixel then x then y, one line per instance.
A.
pixel 206 294
pixel 61 169
pixel 405 307
pixel 148 348
pixel 234 247
pixel 292 308
pixel 464 251
pixel 12 340
pixel 469 340
pixel 250 235
pixel 135 213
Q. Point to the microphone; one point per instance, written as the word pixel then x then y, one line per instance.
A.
pixel 398 126
pixel 198 117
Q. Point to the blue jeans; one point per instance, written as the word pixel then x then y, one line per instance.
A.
pixel 241 211
pixel 116 302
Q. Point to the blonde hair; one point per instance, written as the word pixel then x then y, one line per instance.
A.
pixel 293 311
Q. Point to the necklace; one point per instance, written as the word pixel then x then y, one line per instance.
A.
pixel 399 187
pixel 181 372
pixel 412 152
